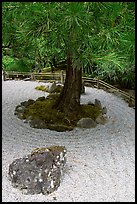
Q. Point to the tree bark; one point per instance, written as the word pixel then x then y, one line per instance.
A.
pixel 69 99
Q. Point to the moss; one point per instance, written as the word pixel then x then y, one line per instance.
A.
pixel 41 88
pixel 47 149
pixel 43 110
pixel 90 111
pixel 58 148
pixel 55 119
pixel 39 150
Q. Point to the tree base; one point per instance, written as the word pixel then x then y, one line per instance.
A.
pixel 40 114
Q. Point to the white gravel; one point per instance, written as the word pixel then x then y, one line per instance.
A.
pixel 100 161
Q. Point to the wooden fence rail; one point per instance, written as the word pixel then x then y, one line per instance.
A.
pixel 34 76
pixel 61 77
pixel 98 83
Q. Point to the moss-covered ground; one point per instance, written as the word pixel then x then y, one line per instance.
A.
pixel 45 89
pixel 41 88
pixel 55 119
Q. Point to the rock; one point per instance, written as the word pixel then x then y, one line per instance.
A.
pixel 104 110
pixel 27 79
pixel 57 89
pixel 101 119
pixel 28 120
pixel 98 104
pixel 42 98
pixel 51 87
pixel 86 123
pixel 90 103
pixel 39 172
pixel 20 116
pixel 19 109
pixel 37 123
pixel 27 103
pixel 59 127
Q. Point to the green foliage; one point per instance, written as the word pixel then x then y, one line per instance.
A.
pixel 93 32
pixel 7 62
pixel 20 66
pixel 127 79
pixel 12 64
pixel 46 69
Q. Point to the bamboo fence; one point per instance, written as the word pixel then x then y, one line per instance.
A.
pixel 61 77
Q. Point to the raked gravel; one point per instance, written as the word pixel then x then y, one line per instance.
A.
pixel 100 161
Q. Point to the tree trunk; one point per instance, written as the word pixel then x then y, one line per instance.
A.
pixel 69 99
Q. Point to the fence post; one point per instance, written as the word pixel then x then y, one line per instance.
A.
pixel 32 76
pixel 98 82
pixel 62 77
pixel 4 76
pixel 130 101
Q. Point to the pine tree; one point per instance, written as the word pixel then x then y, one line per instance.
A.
pixel 83 33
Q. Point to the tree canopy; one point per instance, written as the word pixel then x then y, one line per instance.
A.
pixel 84 34
pixel 100 32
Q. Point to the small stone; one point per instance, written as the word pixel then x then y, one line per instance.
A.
pixel 42 98
pixel 20 116
pixel 51 87
pixel 19 109
pixel 54 198
pixel 90 103
pixel 26 79
pixel 98 104
pixel 104 110
pixel 37 123
pixel 86 123
pixel 101 119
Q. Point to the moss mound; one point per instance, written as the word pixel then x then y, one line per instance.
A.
pixel 41 88
pixel 57 89
pixel 43 112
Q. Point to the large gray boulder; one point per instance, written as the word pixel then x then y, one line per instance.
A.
pixel 39 172
pixel 86 123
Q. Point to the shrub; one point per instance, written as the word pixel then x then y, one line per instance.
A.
pixel 13 64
